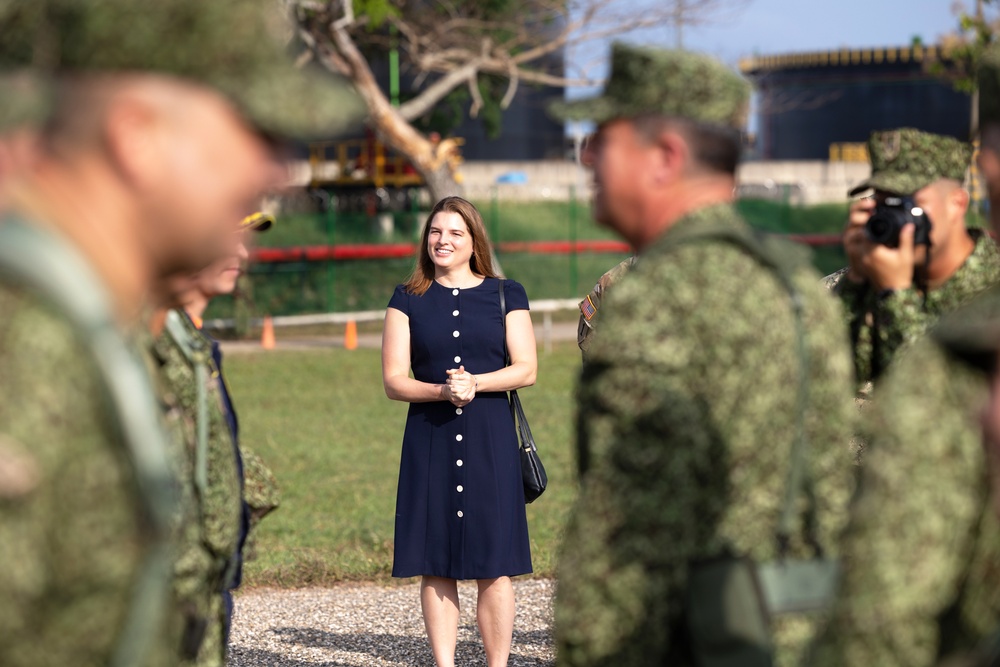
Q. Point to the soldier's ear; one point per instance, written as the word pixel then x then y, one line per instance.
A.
pixel 671 156
pixel 131 141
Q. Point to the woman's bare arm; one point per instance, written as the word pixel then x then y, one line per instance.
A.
pixel 399 386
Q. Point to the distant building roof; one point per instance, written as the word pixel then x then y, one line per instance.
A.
pixel 841 57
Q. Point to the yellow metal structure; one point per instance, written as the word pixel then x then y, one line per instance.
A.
pixel 360 163
pixel 849 152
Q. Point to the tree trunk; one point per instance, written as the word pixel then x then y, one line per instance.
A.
pixel 441 183
pixel 429 158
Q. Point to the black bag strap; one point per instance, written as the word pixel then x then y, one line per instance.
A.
pixel 503 321
pixel 798 480
pixel 516 411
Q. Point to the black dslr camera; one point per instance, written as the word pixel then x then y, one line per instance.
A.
pixel 890 216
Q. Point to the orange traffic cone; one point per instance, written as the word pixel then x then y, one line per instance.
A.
pixel 267 334
pixel 351 335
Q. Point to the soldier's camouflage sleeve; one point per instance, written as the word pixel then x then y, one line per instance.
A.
pixel 920 554
pixel 262 495
pixel 591 304
pixel 71 538
pixel 260 488
pixel 900 318
pixel 686 418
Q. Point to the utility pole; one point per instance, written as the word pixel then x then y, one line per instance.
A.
pixel 679 24
pixel 974 116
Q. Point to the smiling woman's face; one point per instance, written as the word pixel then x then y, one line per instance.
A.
pixel 449 242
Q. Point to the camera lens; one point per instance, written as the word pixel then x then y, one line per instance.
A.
pixel 882 229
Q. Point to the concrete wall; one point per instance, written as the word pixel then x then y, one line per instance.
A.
pixel 802 182
pixel 810 182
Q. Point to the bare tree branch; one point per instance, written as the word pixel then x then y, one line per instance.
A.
pixel 437 91
pixel 513 78
pixel 447 44
pixel 477 97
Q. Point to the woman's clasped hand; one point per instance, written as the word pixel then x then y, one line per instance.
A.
pixel 460 388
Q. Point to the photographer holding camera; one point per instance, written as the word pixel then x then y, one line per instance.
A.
pixel 919 579
pixel 910 257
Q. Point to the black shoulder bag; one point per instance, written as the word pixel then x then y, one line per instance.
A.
pixel 532 470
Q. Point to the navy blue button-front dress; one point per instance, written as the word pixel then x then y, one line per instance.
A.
pixel 460 502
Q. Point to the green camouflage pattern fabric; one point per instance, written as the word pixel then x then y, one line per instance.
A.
pixel 71 535
pixel 687 412
pixel 906 160
pixel 591 304
pixel 665 82
pixel 921 553
pixel 881 326
pixel 210 526
pixel 235 46
pixel 261 493
pixel 260 488
pixel 972 333
pixel 988 78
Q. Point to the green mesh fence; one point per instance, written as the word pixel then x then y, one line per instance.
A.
pixel 294 288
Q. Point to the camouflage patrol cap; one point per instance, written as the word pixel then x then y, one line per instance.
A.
pixel 234 46
pixel 989 86
pixel 972 333
pixel 905 160
pixel 672 83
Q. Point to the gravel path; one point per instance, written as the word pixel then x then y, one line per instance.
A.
pixel 365 625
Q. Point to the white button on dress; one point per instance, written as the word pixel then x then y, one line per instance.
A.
pixel 455 292
pixel 461 488
pixel 458 359
pixel 458 411
pixel 460 514
pixel 455 334
pixel 459 463
pixel 459 437
pixel 454 313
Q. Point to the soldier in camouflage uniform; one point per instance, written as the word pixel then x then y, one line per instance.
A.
pixel 591 304
pixel 921 553
pixel 892 295
pixel 137 166
pixel 689 401
pixel 259 488
pixel 207 556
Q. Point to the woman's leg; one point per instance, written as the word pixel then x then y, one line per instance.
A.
pixel 439 601
pixel 495 613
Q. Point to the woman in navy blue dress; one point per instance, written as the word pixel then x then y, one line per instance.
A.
pixel 460 502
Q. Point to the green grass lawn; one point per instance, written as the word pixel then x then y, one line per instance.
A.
pixel 320 419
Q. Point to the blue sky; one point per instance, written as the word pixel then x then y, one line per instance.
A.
pixel 778 26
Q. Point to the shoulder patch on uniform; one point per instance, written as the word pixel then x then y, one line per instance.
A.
pixel 588 308
pixel 19 473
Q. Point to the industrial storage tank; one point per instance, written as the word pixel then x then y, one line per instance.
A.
pixel 816 106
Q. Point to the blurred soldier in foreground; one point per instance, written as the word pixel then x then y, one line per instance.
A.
pixel 137 167
pixel 591 304
pixel 921 554
pixel 213 517
pixel 260 489
pixel 694 393
pixel 910 256
pixel 257 484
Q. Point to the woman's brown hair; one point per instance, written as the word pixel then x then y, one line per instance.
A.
pixel 482 257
